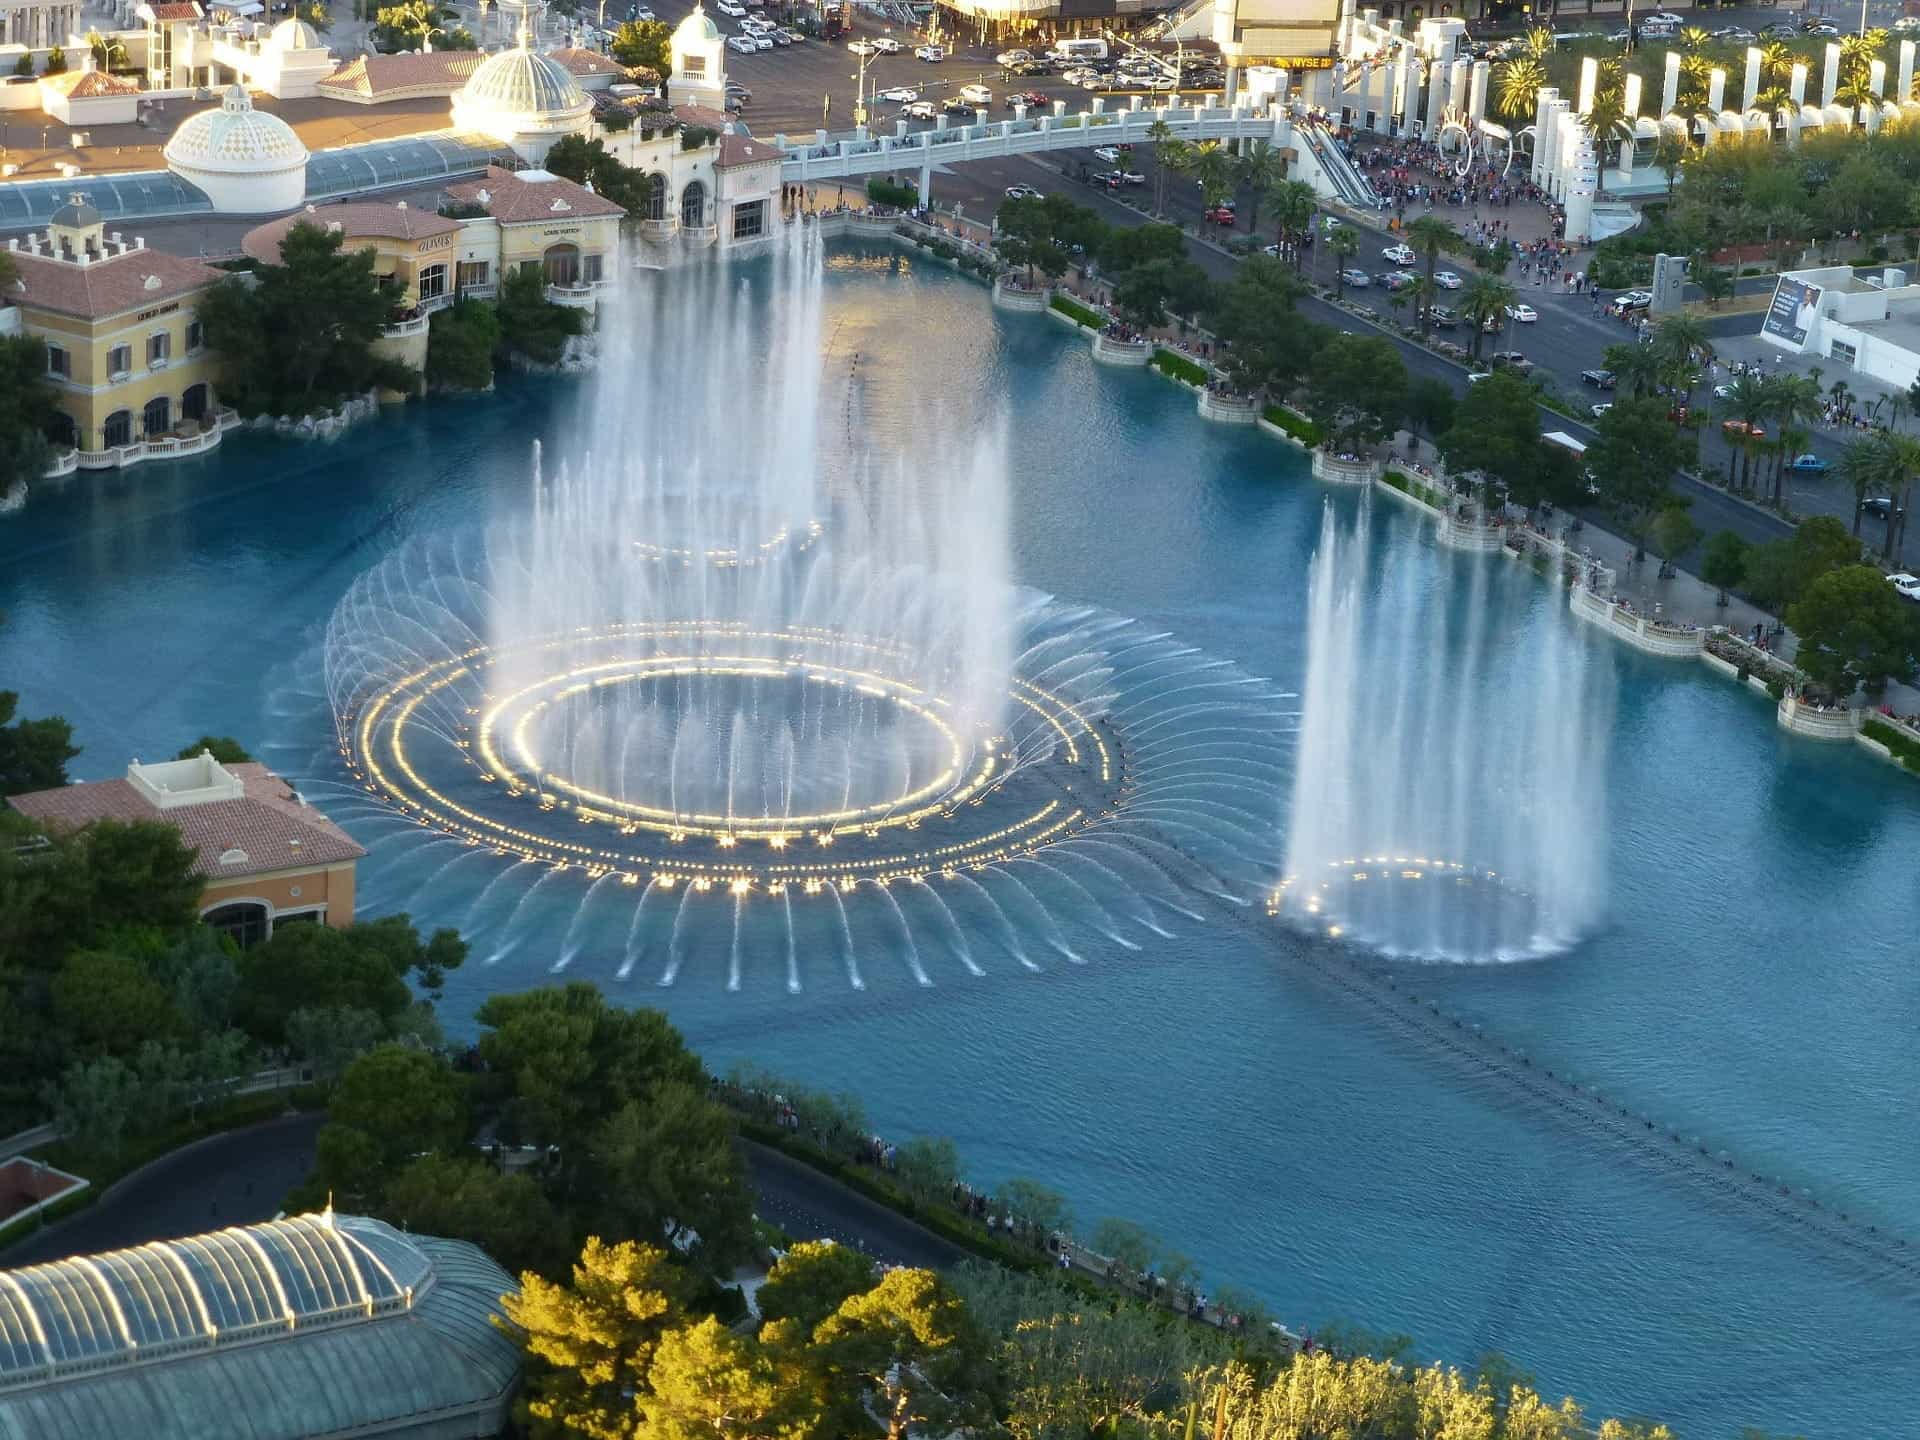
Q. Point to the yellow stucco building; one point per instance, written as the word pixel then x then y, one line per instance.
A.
pixel 125 351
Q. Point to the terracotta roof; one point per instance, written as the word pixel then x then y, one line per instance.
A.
pixel 90 84
pixel 377 75
pixel 512 199
pixel 365 221
pixel 577 61
pixel 106 287
pixel 270 827
pixel 172 10
pixel 701 115
pixel 737 150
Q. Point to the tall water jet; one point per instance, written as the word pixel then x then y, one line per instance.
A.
pixel 1449 796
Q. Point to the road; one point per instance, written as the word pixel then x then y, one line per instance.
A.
pixel 239 1178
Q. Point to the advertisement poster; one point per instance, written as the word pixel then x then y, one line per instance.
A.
pixel 1791 314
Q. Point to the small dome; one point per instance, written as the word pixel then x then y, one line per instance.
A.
pixel 293 33
pixel 519 85
pixel 77 214
pixel 696 28
pixel 236 139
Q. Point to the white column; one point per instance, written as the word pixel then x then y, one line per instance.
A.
pixel 1477 96
pixel 1437 97
pixel 1630 97
pixel 1905 93
pixel 1670 89
pixel 1877 79
pixel 1716 90
pixel 1752 89
pixel 1830 80
pixel 1797 86
pixel 1457 85
pixel 1589 82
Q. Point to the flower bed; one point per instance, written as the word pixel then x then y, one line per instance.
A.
pixel 1078 313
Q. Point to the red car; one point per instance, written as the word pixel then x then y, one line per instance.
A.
pixel 1222 215
pixel 1032 99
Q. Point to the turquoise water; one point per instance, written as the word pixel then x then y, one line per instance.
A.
pixel 1756 981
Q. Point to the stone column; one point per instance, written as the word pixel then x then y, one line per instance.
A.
pixel 1905 92
pixel 1877 79
pixel 1436 97
pixel 1830 78
pixel 1797 86
pixel 1630 97
pixel 1716 91
pixel 1589 82
pixel 1477 96
pixel 1670 89
pixel 1752 88
pixel 1457 85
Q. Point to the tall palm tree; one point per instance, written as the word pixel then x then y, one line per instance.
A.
pixel 1860 466
pixel 1905 452
pixel 1259 170
pixel 1680 345
pixel 1636 370
pixel 1212 167
pixel 1749 401
pixel 1294 202
pixel 1517 87
pixel 1669 154
pixel 1695 38
pixel 1430 235
pixel 1796 400
pixel 1345 244
pixel 1165 153
pixel 1485 298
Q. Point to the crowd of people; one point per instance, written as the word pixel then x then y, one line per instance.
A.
pixel 1408 173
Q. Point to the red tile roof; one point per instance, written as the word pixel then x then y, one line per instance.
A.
pixel 737 150
pixel 512 199
pixel 587 62
pixel 270 828
pixel 387 76
pixel 108 286
pixel 168 10
pixel 365 221
pixel 704 116
pixel 90 84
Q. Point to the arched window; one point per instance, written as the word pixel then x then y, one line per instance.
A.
pixel 655 198
pixel 562 264
pixel 118 430
pixel 157 418
pixel 246 921
pixel 61 430
pixel 193 404
pixel 693 205
pixel 433 282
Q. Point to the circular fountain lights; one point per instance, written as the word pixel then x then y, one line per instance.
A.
pixel 491 775
pixel 1415 906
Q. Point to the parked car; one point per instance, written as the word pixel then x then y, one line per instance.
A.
pixel 1446 280
pixel 1522 314
pixel 761 40
pixel 732 8
pixel 1012 57
pixel 1396 280
pixel 1031 67
pixel 741 44
pixel 898 95
pixel 1399 254
pixel 1032 99
pixel 1116 178
pixel 1357 279
pixel 1108 153
pixel 737 91
pixel 1222 215
pixel 1808 465
pixel 1880 507
pixel 798 37
pixel 1602 408
pixel 1907 585
pixel 1510 360
pixel 1022 192
pixel 1599 379
pixel 932 54
pixel 887 45
pixel 976 94
pixel 778 37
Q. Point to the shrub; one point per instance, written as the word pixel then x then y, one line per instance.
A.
pixel 886 192
pixel 1179 367
pixel 1296 425
pixel 1077 312
pixel 1904 747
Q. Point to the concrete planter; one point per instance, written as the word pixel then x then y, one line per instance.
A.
pixel 1017 297
pixel 1472 535
pixel 1332 469
pixel 1800 718
pixel 1651 637
pixel 1228 409
pixel 1131 353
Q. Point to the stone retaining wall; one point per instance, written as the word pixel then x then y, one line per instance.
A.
pixel 1019 297
pixel 1653 637
pixel 1840 723
pixel 1134 354
pixel 1333 470
pixel 1228 409
pixel 1471 535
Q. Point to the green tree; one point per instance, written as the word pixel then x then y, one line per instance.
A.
pixel 28 405
pixel 813 1280
pixel 107 1003
pixel 1430 405
pixel 591 1344
pixel 1259 171
pixel 1428 236
pixel 56 61
pixel 1723 564
pixel 224 748
pixel 1211 167
pixel 1031 1204
pixel 667 1171
pixel 896 1344
pixel 408 25
pixel 708 1383
pixel 531 326
pixel 1266 345
pixel 329 1038
pixel 1673 533
pixel 1123 1240
pixel 1496 433
pixel 364 967
pixel 33 753
pixel 1854 631
pixel 107 51
pixel 1344 242
pixel 928 1166
pixel 1161 135
pixel 1357 389
pixel 461 340
pixel 1294 203
pixel 1633 459
pixel 508 1216
pixel 1484 301
pixel 644 45
pixel 402 1103
pixel 93 1103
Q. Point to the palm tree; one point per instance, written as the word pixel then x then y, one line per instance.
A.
pixel 1748 401
pixel 1860 466
pixel 1345 244
pixel 1212 166
pixel 1905 464
pixel 1669 153
pixel 1694 38
pixel 1635 368
pixel 1430 236
pixel 1484 298
pixel 107 51
pixel 1796 400
pixel 1679 345
pixel 1165 153
pixel 1293 204
pixel 1259 170
pixel 1517 87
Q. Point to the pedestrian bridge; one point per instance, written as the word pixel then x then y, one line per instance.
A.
pixel 862 152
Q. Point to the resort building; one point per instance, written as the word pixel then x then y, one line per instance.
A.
pixel 313 1324
pixel 531 219
pixel 125 350
pixel 265 856
pixel 244 160
pixel 1866 322
pixel 524 100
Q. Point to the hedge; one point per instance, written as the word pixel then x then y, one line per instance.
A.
pixel 1414 488
pixel 1179 367
pixel 886 192
pixel 1295 424
pixel 1904 747
pixel 1078 313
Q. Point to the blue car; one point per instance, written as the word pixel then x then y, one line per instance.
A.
pixel 1808 465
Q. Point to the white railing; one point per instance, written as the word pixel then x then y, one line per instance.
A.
pixel 479 292
pixel 65 463
pixel 435 302
pixel 578 297
pixel 161 447
pixel 403 328
pixel 659 230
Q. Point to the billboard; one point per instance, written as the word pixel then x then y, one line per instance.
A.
pixel 1791 315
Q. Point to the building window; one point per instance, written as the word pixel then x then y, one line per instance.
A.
pixel 247 923
pixel 433 282
pixel 118 430
pixel 472 272
pixel 695 66
pixel 59 362
pixel 61 430
pixel 749 220
pixel 1843 352
pixel 119 362
pixel 159 349
pixel 196 337
pixel 157 418
pixel 590 269
pixel 562 264
pixel 654 197
pixel 193 404
pixel 693 205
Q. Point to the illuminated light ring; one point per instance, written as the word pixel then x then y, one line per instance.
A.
pixel 730 558
pixel 1307 903
pixel 376 742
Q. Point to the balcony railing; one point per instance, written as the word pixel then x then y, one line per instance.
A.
pixel 479 292
pixel 431 303
pixel 403 328
pixel 659 230
pixel 579 297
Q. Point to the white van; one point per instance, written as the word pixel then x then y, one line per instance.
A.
pixel 1079 50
